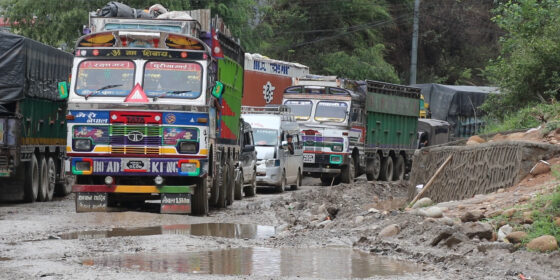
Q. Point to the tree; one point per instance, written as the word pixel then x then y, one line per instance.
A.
pixel 528 68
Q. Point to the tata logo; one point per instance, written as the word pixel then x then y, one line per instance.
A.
pixel 135 136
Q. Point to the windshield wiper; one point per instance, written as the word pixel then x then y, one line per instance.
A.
pixel 169 92
pixel 100 89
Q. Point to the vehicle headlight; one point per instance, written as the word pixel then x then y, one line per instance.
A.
pixel 188 167
pixel 82 145
pixel 337 148
pixel 272 162
pixel 188 147
pixel 83 165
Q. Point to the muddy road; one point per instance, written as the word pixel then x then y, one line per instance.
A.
pixel 314 232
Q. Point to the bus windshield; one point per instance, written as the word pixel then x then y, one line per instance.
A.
pixel 331 111
pixel 265 137
pixel 172 79
pixel 105 78
pixel 300 108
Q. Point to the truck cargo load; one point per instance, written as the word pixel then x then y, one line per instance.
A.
pixel 266 79
pixel 32 119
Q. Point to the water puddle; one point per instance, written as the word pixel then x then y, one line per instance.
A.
pixel 386 205
pixel 2 259
pixel 208 229
pixel 269 262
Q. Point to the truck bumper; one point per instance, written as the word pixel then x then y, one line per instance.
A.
pixel 94 198
pixel 321 163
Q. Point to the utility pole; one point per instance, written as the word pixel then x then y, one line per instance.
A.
pixel 414 51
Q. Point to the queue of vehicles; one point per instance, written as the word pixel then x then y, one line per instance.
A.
pixel 154 111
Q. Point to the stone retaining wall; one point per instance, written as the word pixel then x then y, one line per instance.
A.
pixel 475 169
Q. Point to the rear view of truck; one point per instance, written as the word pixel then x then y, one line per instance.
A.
pixel 392 127
pixel 32 119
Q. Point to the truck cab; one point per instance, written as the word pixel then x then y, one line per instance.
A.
pixel 278 143
pixel 332 121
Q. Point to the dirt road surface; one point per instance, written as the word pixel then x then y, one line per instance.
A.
pixel 312 233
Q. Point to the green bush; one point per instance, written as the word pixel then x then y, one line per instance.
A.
pixel 534 115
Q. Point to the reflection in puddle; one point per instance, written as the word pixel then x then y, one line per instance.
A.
pixel 386 205
pixel 4 259
pixel 306 262
pixel 208 229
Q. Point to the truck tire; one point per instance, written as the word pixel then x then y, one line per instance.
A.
pixel 297 184
pixel 373 167
pixel 230 187
pixel 283 183
pixel 386 173
pixel 222 196
pixel 51 178
pixel 65 188
pixel 31 186
pixel 215 188
pixel 398 173
pixel 238 195
pixel 43 179
pixel 200 198
pixel 252 189
pixel 348 172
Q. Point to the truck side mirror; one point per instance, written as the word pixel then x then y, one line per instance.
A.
pixel 218 90
pixel 248 148
pixel 63 90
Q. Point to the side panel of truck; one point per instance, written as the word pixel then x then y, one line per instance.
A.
pixel 230 73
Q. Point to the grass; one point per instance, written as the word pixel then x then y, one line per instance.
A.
pixel 544 209
pixel 528 117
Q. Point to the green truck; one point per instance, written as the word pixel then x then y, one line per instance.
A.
pixel 32 119
pixel 391 131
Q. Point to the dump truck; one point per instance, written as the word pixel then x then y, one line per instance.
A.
pixel 154 113
pixel 32 119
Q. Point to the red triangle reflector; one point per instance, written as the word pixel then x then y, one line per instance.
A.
pixel 137 95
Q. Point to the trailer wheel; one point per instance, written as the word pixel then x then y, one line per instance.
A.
pixel 348 172
pixel 200 198
pixel 65 188
pixel 398 174
pixel 373 167
pixel 252 189
pixel 386 173
pixel 43 179
pixel 238 195
pixel 51 178
pixel 31 187
pixel 222 196
pixel 297 184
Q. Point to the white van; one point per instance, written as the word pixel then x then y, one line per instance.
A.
pixel 278 144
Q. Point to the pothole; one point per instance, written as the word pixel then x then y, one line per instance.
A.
pixel 266 262
pixel 225 230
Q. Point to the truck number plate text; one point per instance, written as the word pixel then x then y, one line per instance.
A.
pixel 309 158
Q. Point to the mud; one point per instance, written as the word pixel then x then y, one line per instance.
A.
pixel 226 230
pixel 316 232
pixel 291 262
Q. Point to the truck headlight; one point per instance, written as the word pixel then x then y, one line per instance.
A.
pixel 188 147
pixel 187 167
pixel 82 145
pixel 272 162
pixel 337 148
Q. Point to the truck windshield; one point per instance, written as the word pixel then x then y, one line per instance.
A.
pixel 331 111
pixel 300 108
pixel 265 137
pixel 105 78
pixel 185 79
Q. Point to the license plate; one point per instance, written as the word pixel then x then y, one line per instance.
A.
pixel 136 164
pixel 309 158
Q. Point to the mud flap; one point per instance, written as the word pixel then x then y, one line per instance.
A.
pixel 175 203
pixel 91 202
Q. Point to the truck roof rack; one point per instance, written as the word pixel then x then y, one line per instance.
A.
pixel 281 110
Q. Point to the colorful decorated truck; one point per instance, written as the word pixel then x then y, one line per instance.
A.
pixel 32 123
pixel 354 127
pixel 154 112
